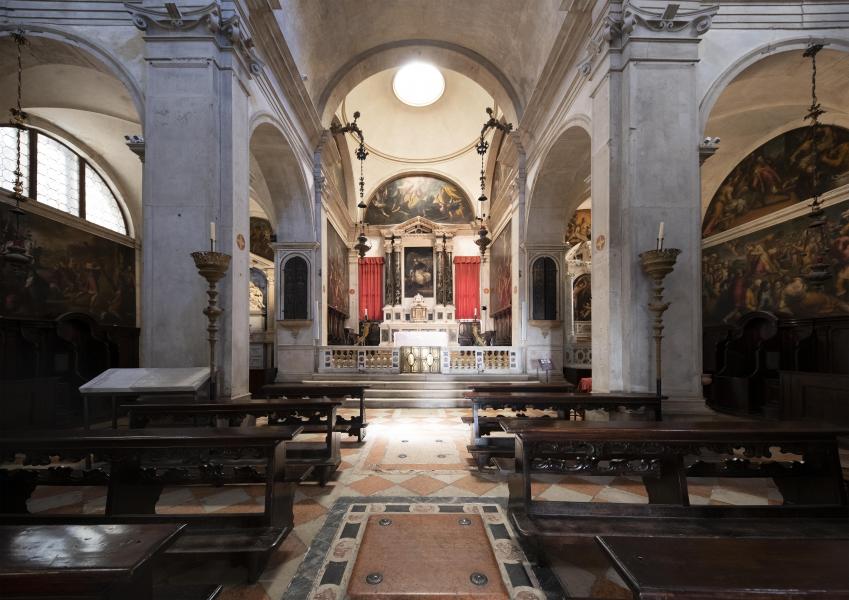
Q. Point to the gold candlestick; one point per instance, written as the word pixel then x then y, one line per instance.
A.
pixel 658 264
pixel 212 266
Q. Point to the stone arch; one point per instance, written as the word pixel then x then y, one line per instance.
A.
pixel 289 195
pixel 559 186
pixel 744 110
pixel 444 54
pixel 76 90
pixel 765 50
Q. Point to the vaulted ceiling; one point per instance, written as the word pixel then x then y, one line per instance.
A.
pixel 507 41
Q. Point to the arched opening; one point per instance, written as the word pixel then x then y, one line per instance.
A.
pixel 559 222
pixel 544 284
pixel 758 246
pixel 295 289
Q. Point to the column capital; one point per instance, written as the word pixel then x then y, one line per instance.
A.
pixel 228 32
pixel 637 21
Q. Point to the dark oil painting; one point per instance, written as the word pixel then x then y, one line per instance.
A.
pixel 500 275
pixel 337 271
pixel 63 269
pixel 419 196
pixel 582 298
pixel 261 233
pixel 780 173
pixel 763 271
pixel 418 272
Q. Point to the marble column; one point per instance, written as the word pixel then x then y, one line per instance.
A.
pixel 196 171
pixel 353 321
pixel 448 280
pixel 388 270
pixel 397 266
pixel 439 270
pixel 645 169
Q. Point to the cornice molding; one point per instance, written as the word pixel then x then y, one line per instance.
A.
pixel 227 31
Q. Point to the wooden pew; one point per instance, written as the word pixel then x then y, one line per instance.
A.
pixel 801 458
pixel 355 426
pixel 529 386
pixel 136 465
pixel 721 568
pixel 483 448
pixel 113 562
pixel 313 415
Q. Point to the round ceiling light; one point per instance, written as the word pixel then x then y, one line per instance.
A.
pixel 418 84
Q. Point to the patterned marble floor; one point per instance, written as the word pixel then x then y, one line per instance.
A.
pixel 408 452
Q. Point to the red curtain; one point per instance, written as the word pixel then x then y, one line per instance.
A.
pixel 467 278
pixel 371 288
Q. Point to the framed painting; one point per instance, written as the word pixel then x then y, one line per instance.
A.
pixel 418 272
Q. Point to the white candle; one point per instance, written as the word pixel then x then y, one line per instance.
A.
pixel 660 236
pixel 476 312
pixel 212 234
pixel 366 314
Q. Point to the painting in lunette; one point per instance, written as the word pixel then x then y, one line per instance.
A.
pixel 419 196
pixel 337 271
pixel 764 271
pixel 64 269
pixel 418 272
pixel 779 173
pixel 500 274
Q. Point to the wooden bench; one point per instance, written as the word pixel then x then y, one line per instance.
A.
pixel 484 448
pixel 136 465
pixel 354 426
pixel 313 415
pixel 721 568
pixel 113 562
pixel 800 457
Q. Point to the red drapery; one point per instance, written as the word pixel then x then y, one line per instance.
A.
pixel 371 288
pixel 467 271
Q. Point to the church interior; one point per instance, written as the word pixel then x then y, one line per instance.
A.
pixel 336 299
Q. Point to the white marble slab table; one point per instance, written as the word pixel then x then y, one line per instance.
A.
pixel 138 382
pixel 421 338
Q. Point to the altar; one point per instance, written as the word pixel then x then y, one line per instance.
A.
pixel 420 338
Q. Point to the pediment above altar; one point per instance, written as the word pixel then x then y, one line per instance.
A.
pixel 422 226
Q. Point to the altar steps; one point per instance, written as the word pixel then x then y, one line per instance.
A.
pixel 415 390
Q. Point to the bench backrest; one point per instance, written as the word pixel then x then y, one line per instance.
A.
pixel 801 458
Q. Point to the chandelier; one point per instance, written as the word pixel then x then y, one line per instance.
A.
pixel 819 270
pixel 481 148
pixel 15 252
pixel 362 246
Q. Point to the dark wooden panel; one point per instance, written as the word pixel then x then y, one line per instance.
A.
pixel 816 396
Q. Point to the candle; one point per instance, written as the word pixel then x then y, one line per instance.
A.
pixel 212 235
pixel 660 236
pixel 366 314
pixel 476 312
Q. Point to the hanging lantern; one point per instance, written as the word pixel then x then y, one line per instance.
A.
pixel 817 235
pixel 481 148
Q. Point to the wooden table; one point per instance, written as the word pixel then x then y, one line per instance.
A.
pixel 722 568
pixel 102 561
pixel 355 426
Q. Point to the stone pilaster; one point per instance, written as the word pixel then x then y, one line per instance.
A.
pixel 198 64
pixel 645 166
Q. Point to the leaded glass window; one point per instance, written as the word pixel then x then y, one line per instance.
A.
pixel 62 178
pixel 8 160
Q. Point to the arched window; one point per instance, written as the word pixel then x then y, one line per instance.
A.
pixel 59 177
pixel 544 289
pixel 295 289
